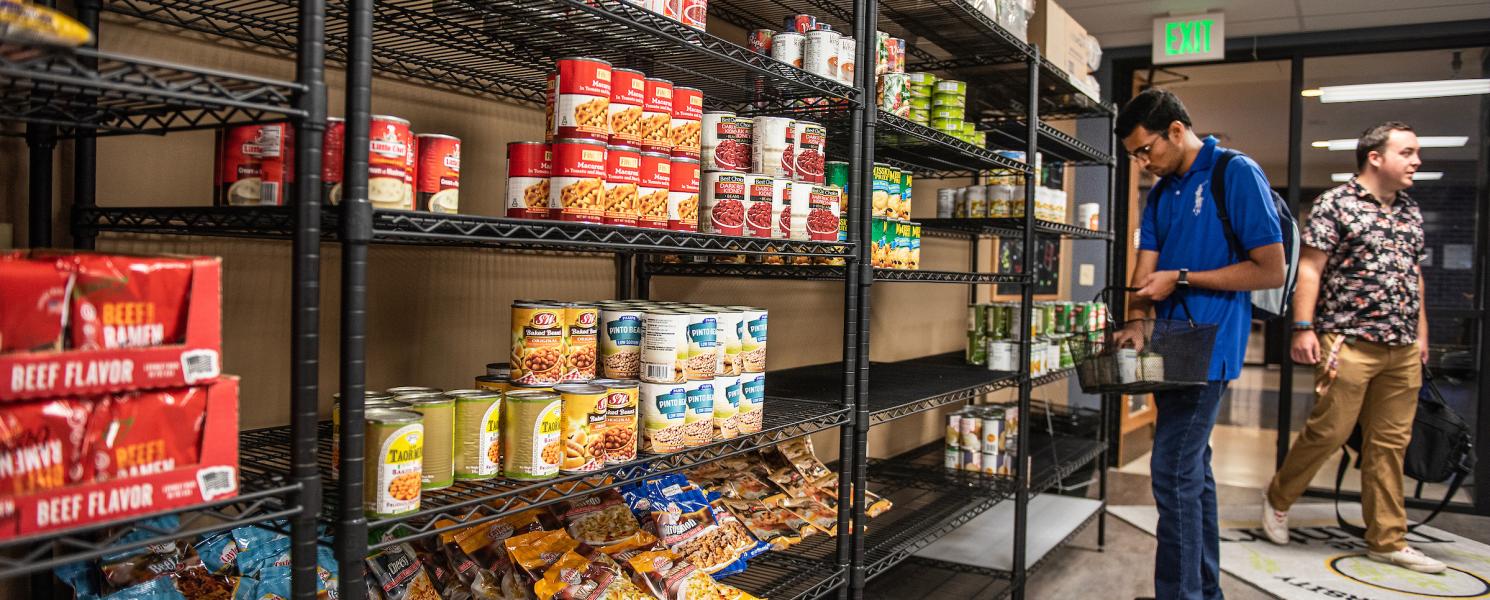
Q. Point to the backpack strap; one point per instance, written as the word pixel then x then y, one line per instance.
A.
pixel 1218 193
pixel 1360 532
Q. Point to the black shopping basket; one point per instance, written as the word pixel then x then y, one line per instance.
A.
pixel 1175 354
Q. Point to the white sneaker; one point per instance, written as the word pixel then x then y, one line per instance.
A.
pixel 1274 523
pixel 1409 558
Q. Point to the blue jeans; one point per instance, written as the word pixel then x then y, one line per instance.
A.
pixel 1188 563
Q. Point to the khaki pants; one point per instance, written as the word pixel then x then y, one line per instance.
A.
pixel 1378 385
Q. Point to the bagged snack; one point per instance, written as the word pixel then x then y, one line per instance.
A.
pixel 823 518
pixel 26 23
pixel 575 577
pixel 196 583
pixel 875 505
pixel 399 574
pixel 729 592
pixel 669 577
pixel 600 520
pixel 686 524
pixel 219 552
pixel 799 453
pixel 447 584
pixel 772 526
pixel 42 445
pixel 127 301
pixel 144 433
pixel 33 309
pixel 259 548
pixel 534 553
pixel 156 589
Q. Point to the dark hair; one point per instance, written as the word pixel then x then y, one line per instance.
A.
pixel 1375 139
pixel 1154 109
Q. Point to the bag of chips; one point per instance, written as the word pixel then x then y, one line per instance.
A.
pixel 576 577
pixel 670 577
pixel 400 575
pixel 600 520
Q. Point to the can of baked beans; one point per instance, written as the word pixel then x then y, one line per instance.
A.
pixel 388 162
pixel 771 143
pixel 582 99
pixel 577 185
pixel 811 144
pixel 538 341
pixel 529 165
pixel 628 91
pixel 618 434
pixel 439 173
pixel 693 13
pixel 726 142
pixel 333 157
pixel 622 175
pixel 759 190
pixel 787 47
pixel 820 53
pixel 723 203
pixel 846 60
pixel 653 190
pixel 759 41
pixel 687 117
pixel 581 340
pixel 682 195
pixel 657 116
pixel 254 164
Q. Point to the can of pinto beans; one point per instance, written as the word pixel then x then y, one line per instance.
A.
pixel 577 187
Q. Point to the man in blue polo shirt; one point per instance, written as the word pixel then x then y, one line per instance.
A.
pixel 1183 252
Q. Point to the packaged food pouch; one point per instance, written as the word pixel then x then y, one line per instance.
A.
pixel 33 309
pixel 599 520
pixel 669 577
pixel 128 302
pixel 767 524
pixel 161 588
pixel 42 444
pixel 533 553
pixel 145 433
pixel 28 23
pixel 218 551
pixel 400 575
pixel 575 577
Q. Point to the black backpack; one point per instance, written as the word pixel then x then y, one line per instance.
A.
pixel 1442 449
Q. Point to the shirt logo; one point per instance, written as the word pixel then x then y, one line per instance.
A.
pixel 1199 197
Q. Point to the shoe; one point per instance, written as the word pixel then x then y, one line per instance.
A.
pixel 1274 522
pixel 1409 558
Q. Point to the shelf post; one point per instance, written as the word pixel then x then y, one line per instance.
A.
pixel 85 145
pixel 624 272
pixel 1109 402
pixel 356 233
pixel 41 140
pixel 1022 464
pixel 866 17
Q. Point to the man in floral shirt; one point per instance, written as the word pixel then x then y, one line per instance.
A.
pixel 1360 322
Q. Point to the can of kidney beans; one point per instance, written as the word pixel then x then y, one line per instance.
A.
pixel 388 163
pixel 529 165
pixel 726 142
pixel 823 204
pixel 582 99
pixel 657 116
pixel 682 196
pixel 759 192
pixel 809 150
pixel 781 208
pixel 759 41
pixel 333 157
pixel 628 91
pixel 723 203
pixel 577 186
pixel 653 190
pixel 622 176
pixel 686 125
pixel 439 173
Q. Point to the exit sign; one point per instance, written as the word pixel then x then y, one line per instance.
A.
pixel 1189 38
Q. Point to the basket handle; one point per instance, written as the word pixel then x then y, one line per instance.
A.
pixel 1178 296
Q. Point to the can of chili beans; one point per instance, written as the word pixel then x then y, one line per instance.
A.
pixel 628 91
pixel 439 173
pixel 333 157
pixel 808 151
pixel 582 99
pixel 682 197
pixel 759 192
pixel 723 203
pixel 657 116
pixel 622 176
pixel 529 165
pixel 652 190
pixel 686 124
pixel 577 186
pixel 726 142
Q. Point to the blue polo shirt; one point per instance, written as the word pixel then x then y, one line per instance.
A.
pixel 1186 233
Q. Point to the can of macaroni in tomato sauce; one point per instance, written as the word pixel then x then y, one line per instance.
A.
pixel 393 459
pixel 531 447
pixel 529 165
pixel 664 346
pixel 620 341
pixel 652 190
pixel 583 418
pixel 619 433
pixel 581 323
pixel 577 186
pixel 686 125
pixel 478 448
pixel 682 194
pixel 622 178
pixel 628 91
pixel 538 341
pixel 438 187
pixel 723 203
pixel 582 99
pixel 657 116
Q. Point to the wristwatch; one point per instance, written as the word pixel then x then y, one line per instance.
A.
pixel 1184 280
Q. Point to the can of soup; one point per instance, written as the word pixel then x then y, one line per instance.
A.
pixel 438 188
pixel 390 155
pixel 787 47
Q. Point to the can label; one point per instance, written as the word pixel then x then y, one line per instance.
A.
pixel 781 206
pixel 581 337
pixel 760 194
pixel 333 157
pixel 479 426
pixel 752 403
pixel 694 13
pixel 400 465
pixel 685 127
pixel 537 344
pixel 621 343
pixel 579 430
pixel 664 412
pixel 698 422
pixel 664 347
pixel 723 203
pixel 619 436
pixel 847 50
pixel 388 161
pixel 759 41
pixel 787 47
pixel 652 190
pixel 753 342
pixel 254 164
pixel 731 326
pixel 726 407
pixel 623 166
pixel 627 94
pixel 771 147
pixel 726 142
pixel 682 197
pixel 809 151
pixel 577 187
pixel 439 174
pixel 657 117
pixel 800 23
pixel 529 165
pixel 582 100
pixel 886 181
pixel 703 346
pixel 820 53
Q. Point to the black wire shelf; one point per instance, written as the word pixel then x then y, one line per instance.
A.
pixel 263 496
pixel 505 48
pixel 932 151
pixel 1053 143
pixel 820 273
pixel 1055 458
pixel 1000 89
pixel 776 575
pixel 899 389
pixel 999 576
pixel 469 503
pixel 434 229
pixel 110 94
pixel 1009 227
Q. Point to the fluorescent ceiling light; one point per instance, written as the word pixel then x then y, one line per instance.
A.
pixel 1418 176
pixel 1402 90
pixel 1427 141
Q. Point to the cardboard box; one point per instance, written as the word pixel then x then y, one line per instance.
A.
pixel 213 478
pixel 1061 39
pixel 198 360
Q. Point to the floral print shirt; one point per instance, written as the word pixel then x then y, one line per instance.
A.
pixel 1369 287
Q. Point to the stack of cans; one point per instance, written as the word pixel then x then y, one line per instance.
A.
pixel 994 333
pixel 982 439
pixel 922 86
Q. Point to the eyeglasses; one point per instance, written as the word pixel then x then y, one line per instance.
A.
pixel 1142 154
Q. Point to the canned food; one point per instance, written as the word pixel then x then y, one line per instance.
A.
pixel 760 194
pixel 622 180
pixel 894 94
pixel 946 100
pixel 726 142
pixel 255 165
pixel 664 411
pixel 529 165
pixel 731 321
pixel 550 98
pixel 664 346
pixel 891 54
pixel 628 92
pixel 495 383
pixel 781 204
pixel 619 434
pixel 580 427
pixel 977 202
pixel 582 99
pixel 820 53
pixel 948 112
pixel 752 403
pixel 771 146
pixel 682 195
pixel 333 159
pixel 438 187
pixel 538 343
pixel 577 187
pixel 657 116
pixel 723 210
pixel 813 212
pixel 410 390
pixel 952 457
pixel 621 342
pixel 390 151
pixel 759 41
pixel 499 369
pixel 581 325
pixel 800 23
pixel 886 180
pixel 686 124
pixel 752 338
pixel 478 449
pixel 369 400
pixel 530 435
pixel 951 86
pixel 439 438
pixel 392 460
pixel 787 47
pixel 652 190
pixel 726 407
pixel 809 151
pixel 703 344
pixel 698 421
pixel 970 436
pixel 694 13
pixel 847 51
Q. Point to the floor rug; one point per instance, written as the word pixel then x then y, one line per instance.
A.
pixel 1323 562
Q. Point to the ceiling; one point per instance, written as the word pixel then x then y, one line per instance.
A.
pixel 1120 23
